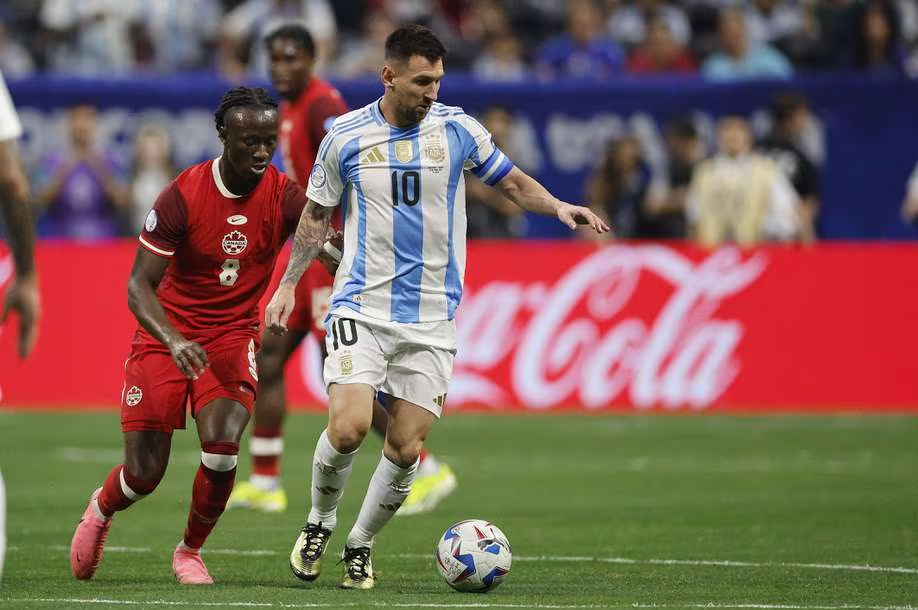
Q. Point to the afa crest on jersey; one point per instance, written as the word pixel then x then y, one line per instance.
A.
pixel 435 152
pixel 432 148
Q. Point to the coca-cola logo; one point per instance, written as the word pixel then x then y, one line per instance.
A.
pixel 641 325
pixel 580 339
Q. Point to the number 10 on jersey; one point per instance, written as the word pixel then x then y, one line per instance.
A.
pixel 406 187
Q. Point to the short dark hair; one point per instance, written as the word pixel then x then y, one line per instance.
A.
pixel 293 31
pixel 785 104
pixel 243 97
pixel 414 39
pixel 681 126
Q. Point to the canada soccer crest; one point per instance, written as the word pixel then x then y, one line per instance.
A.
pixel 234 243
pixel 133 396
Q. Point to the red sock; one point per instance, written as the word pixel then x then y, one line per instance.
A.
pixel 112 498
pixel 422 456
pixel 211 491
pixel 266 447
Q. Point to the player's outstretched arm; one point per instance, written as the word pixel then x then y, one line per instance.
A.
pixel 146 275
pixel 307 242
pixel 22 296
pixel 526 192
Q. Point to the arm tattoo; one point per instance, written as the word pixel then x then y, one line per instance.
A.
pixel 19 231
pixel 308 240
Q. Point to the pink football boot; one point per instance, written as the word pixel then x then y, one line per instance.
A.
pixel 88 541
pixel 189 568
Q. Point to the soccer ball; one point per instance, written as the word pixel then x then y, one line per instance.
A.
pixel 473 555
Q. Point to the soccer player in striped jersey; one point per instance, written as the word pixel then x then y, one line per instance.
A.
pixel 308 106
pixel 396 166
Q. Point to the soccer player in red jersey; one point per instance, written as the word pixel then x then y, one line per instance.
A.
pixel 308 107
pixel 206 254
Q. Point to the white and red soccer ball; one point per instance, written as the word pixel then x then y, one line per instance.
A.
pixel 473 555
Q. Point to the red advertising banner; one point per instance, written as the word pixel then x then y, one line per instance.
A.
pixel 565 326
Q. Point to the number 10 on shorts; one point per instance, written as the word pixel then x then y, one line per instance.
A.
pixel 344 330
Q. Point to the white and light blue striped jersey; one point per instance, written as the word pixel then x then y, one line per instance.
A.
pixel 404 215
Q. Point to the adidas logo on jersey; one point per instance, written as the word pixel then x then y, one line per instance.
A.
pixel 374 156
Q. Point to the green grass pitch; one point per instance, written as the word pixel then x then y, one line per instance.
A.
pixel 776 512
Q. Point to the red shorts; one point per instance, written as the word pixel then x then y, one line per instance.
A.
pixel 156 392
pixel 313 297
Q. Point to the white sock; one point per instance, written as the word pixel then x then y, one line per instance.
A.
pixel 330 472
pixel 429 466
pixel 388 489
pixel 184 547
pixel 265 482
pixel 98 511
pixel 266 446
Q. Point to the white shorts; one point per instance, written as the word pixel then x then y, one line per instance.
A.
pixel 413 362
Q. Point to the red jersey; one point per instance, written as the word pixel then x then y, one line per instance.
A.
pixel 642 62
pixel 303 125
pixel 223 246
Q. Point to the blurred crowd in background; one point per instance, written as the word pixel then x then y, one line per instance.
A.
pixel 741 190
pixel 742 185
pixel 502 40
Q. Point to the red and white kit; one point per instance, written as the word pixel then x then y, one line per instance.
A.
pixel 223 249
pixel 303 125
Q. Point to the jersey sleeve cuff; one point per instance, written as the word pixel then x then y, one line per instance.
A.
pixel 494 168
pixel 323 203
pixel 154 248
